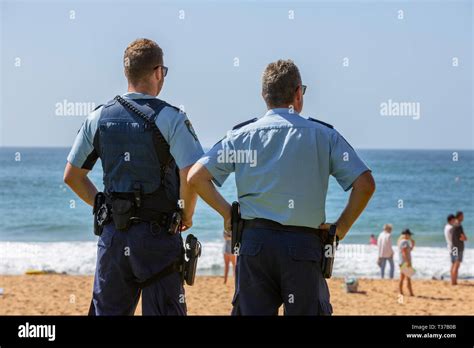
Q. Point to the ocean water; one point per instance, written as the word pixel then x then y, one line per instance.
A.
pixel 43 225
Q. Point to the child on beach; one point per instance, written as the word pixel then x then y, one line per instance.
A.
pixel 405 246
pixel 372 240
pixel 229 256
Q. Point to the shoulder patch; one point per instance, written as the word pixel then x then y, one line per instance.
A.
pixel 191 129
pixel 321 122
pixel 240 125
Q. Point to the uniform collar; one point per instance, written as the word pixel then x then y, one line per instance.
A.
pixel 281 111
pixel 136 95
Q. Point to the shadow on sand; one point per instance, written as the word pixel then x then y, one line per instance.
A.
pixel 433 298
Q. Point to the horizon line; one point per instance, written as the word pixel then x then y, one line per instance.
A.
pixel 209 147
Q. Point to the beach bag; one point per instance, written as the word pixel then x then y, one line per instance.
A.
pixel 352 284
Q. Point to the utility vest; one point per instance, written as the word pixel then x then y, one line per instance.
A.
pixel 135 157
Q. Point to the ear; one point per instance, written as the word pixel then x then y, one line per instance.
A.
pixel 159 73
pixel 299 92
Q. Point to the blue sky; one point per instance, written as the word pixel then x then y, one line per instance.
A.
pixel 407 60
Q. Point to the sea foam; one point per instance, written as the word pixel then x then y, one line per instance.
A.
pixel 79 258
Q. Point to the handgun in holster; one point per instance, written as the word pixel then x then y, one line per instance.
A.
pixel 329 251
pixel 101 213
pixel 237 227
pixel 192 251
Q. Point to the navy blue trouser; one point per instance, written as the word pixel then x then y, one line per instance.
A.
pixel 125 257
pixel 276 267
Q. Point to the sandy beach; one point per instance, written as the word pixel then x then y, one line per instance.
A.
pixel 70 295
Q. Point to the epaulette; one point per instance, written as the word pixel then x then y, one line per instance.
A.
pixel 240 125
pixel 175 107
pixel 321 122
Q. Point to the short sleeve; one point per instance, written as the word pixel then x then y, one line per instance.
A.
pixel 217 161
pixel 345 165
pixel 83 154
pixel 180 135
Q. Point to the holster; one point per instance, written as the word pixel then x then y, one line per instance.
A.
pixel 329 252
pixel 192 251
pixel 237 227
pixel 122 211
pixel 101 213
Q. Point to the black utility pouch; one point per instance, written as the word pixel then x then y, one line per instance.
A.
pixel 122 212
pixel 192 251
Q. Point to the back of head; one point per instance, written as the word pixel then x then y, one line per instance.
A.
pixel 450 218
pixel 140 59
pixel 280 81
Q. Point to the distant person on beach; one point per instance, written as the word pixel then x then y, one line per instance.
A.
pixel 282 162
pixel 372 240
pixel 384 243
pixel 405 247
pixel 448 232
pixel 147 147
pixel 457 249
pixel 229 257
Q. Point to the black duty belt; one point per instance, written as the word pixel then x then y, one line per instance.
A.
pixel 146 213
pixel 273 225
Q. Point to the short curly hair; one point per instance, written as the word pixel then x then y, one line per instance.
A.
pixel 280 81
pixel 140 58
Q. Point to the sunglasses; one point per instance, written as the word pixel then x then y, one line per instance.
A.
pixel 165 69
pixel 303 89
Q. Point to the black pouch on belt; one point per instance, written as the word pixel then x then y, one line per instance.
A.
pixel 121 213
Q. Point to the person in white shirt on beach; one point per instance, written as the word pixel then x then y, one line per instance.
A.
pixel 448 231
pixel 384 243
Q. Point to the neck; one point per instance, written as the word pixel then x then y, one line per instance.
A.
pixel 284 107
pixel 142 89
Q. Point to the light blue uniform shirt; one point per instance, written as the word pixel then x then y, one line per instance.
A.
pixel 184 147
pixel 282 163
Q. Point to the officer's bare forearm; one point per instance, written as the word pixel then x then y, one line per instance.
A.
pixel 77 180
pixel 187 194
pixel 211 196
pixel 200 180
pixel 362 190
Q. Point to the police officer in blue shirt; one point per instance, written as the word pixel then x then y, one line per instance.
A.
pixel 282 163
pixel 146 147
